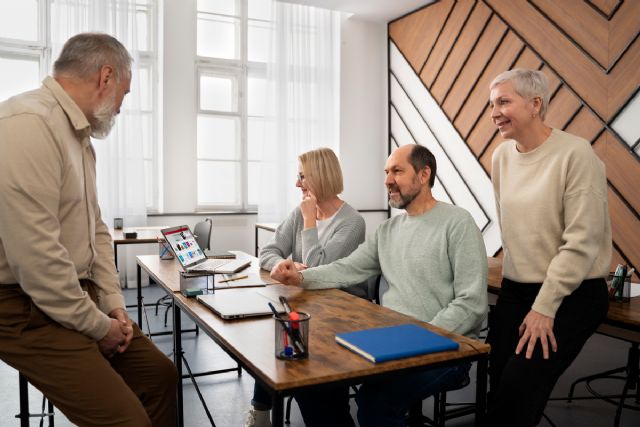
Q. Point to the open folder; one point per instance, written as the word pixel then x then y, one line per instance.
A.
pixel 395 342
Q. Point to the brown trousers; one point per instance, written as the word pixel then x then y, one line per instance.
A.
pixel 136 388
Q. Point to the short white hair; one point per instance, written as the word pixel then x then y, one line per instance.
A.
pixel 528 84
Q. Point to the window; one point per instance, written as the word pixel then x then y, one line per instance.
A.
pixel 232 49
pixel 25 46
pixel 23 53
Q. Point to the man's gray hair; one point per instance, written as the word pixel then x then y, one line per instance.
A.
pixel 85 54
pixel 528 84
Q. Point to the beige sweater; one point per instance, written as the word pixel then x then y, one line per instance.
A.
pixel 51 233
pixel 553 213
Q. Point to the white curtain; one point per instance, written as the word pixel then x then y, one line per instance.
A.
pixel 120 163
pixel 303 102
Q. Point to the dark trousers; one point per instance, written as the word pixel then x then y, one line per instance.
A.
pixel 133 389
pixel 520 387
pixel 325 407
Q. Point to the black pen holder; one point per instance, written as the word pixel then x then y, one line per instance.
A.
pixel 619 287
pixel 292 337
pixel 193 284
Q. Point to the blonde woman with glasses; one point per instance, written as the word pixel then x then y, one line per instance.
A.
pixel 322 229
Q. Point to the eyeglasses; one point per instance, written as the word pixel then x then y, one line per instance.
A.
pixel 299 177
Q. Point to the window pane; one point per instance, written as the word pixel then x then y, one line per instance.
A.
pixel 218 37
pixel 19 19
pixel 254 183
pixel 218 183
pixel 218 93
pixel 147 135
pixel 256 133
pixel 18 75
pixel 144 85
pixel 142 29
pixel 148 183
pixel 218 138
pixel 259 41
pixel 257 88
pixel 260 9
pixel 225 7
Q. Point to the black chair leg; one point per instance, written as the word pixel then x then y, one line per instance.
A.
pixel 24 401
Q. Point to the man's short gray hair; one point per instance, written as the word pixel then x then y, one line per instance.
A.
pixel 528 84
pixel 85 54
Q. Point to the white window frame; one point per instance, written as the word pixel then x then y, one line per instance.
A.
pixel 241 68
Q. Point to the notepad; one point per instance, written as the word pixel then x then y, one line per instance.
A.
pixel 395 342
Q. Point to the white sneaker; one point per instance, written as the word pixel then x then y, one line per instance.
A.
pixel 256 418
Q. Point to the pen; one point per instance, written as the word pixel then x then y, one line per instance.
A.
pixel 296 342
pixel 232 279
pixel 285 304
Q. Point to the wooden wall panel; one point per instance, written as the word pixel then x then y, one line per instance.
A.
pixel 585 124
pixel 506 52
pixel 605 7
pixel 625 228
pixel 563 106
pixel 476 101
pixel 589 32
pixel 418 31
pixel 461 12
pixel 621 165
pixel 623 28
pixel 468 38
pixel 589 50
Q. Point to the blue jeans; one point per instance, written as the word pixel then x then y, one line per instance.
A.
pixel 384 403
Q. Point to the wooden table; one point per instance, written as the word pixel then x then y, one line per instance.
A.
pixel 621 314
pixel 251 341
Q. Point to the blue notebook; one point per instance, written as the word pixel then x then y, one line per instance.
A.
pixel 395 342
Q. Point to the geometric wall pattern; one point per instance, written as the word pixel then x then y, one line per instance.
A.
pixel 589 50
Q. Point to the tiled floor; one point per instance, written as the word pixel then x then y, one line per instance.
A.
pixel 228 395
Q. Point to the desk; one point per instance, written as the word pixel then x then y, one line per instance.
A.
pixel 621 314
pixel 251 343
pixel 145 235
pixel 268 226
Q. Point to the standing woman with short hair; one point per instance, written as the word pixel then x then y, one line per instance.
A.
pixel 551 198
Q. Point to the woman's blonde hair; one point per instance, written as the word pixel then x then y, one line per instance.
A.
pixel 528 84
pixel 322 173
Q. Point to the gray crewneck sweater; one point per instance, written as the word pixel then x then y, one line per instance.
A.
pixel 343 234
pixel 435 264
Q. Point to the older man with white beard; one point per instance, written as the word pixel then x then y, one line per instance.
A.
pixel 63 322
pixel 433 258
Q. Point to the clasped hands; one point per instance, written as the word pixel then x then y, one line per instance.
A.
pixel 119 335
pixel 536 326
pixel 287 272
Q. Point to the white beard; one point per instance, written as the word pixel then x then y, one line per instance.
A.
pixel 104 117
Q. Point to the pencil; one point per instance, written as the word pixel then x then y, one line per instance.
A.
pixel 232 279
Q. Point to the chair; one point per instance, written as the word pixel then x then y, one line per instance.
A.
pixel 24 414
pixel 415 416
pixel 202 233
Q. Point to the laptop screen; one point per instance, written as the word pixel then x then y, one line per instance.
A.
pixel 184 245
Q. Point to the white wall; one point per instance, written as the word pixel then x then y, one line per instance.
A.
pixel 363 112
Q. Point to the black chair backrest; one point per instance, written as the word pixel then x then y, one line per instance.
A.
pixel 202 233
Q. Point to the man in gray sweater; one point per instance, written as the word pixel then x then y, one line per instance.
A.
pixel 434 261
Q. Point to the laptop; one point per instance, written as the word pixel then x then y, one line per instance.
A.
pixel 239 303
pixel 193 259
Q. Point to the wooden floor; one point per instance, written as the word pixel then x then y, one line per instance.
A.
pixel 228 395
